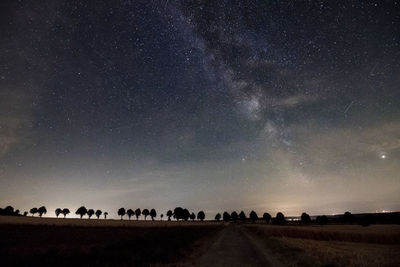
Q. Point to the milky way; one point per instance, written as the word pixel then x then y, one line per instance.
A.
pixel 213 105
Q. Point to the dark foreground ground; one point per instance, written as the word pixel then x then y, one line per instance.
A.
pixel 29 245
pixel 51 242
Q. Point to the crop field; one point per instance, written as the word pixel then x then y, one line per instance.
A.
pixel 27 241
pixel 332 245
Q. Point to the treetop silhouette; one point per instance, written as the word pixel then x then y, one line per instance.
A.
pixel 82 211
pixel 253 216
pixel 98 213
pixel 201 215
pixel 130 213
pixel 121 212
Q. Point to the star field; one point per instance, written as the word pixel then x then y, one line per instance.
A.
pixel 289 106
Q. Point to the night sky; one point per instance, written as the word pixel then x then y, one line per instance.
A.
pixel 214 105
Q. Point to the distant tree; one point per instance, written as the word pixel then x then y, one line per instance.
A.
pixel 161 216
pixel 42 210
pixel 105 215
pixel 98 213
pixel 242 216
pixel 234 216
pixel 218 217
pixel 322 220
pixel 186 214
pixel 153 214
pixel 16 213
pixel 90 213
pixel 226 216
pixel 138 212
pixel 267 217
pixel 82 211
pixel 9 210
pixel 65 212
pixel 146 213
pixel 348 217
pixel 201 215
pixel 58 211
pixel 305 218
pixel 178 213
pixel 25 213
pixel 121 212
pixel 280 218
pixel 33 211
pixel 130 213
pixel 169 214
pixel 192 216
pixel 253 216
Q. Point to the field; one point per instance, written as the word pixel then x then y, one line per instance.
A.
pixel 332 245
pixel 72 242
pixel 31 241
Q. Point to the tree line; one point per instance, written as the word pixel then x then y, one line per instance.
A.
pixel 178 213
pixel 184 214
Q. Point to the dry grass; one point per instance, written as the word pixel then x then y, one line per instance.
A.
pixel 49 245
pixel 332 245
pixel 304 252
pixel 382 234
pixel 96 222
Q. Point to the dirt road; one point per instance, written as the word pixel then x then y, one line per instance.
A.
pixel 235 246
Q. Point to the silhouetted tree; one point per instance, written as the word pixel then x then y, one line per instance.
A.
pixel 25 213
pixel 105 215
pixel 65 212
pixel 201 215
pixel 16 213
pixel 242 216
pixel 226 216
pixel 98 213
pixel 161 216
pixel 90 213
pixel 9 210
pixel 253 216
pixel 138 212
pixel 153 214
pixel 130 212
pixel 82 211
pixel 186 214
pixel 348 217
pixel 169 214
pixel 234 216
pixel 322 220
pixel 121 212
pixel 280 218
pixel 305 218
pixel 178 213
pixel 33 211
pixel 192 216
pixel 266 217
pixel 58 212
pixel 42 210
pixel 218 217
pixel 146 213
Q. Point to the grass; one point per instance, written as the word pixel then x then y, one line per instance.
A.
pixel 305 252
pixel 94 222
pixel 332 245
pixel 46 245
pixel 381 234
